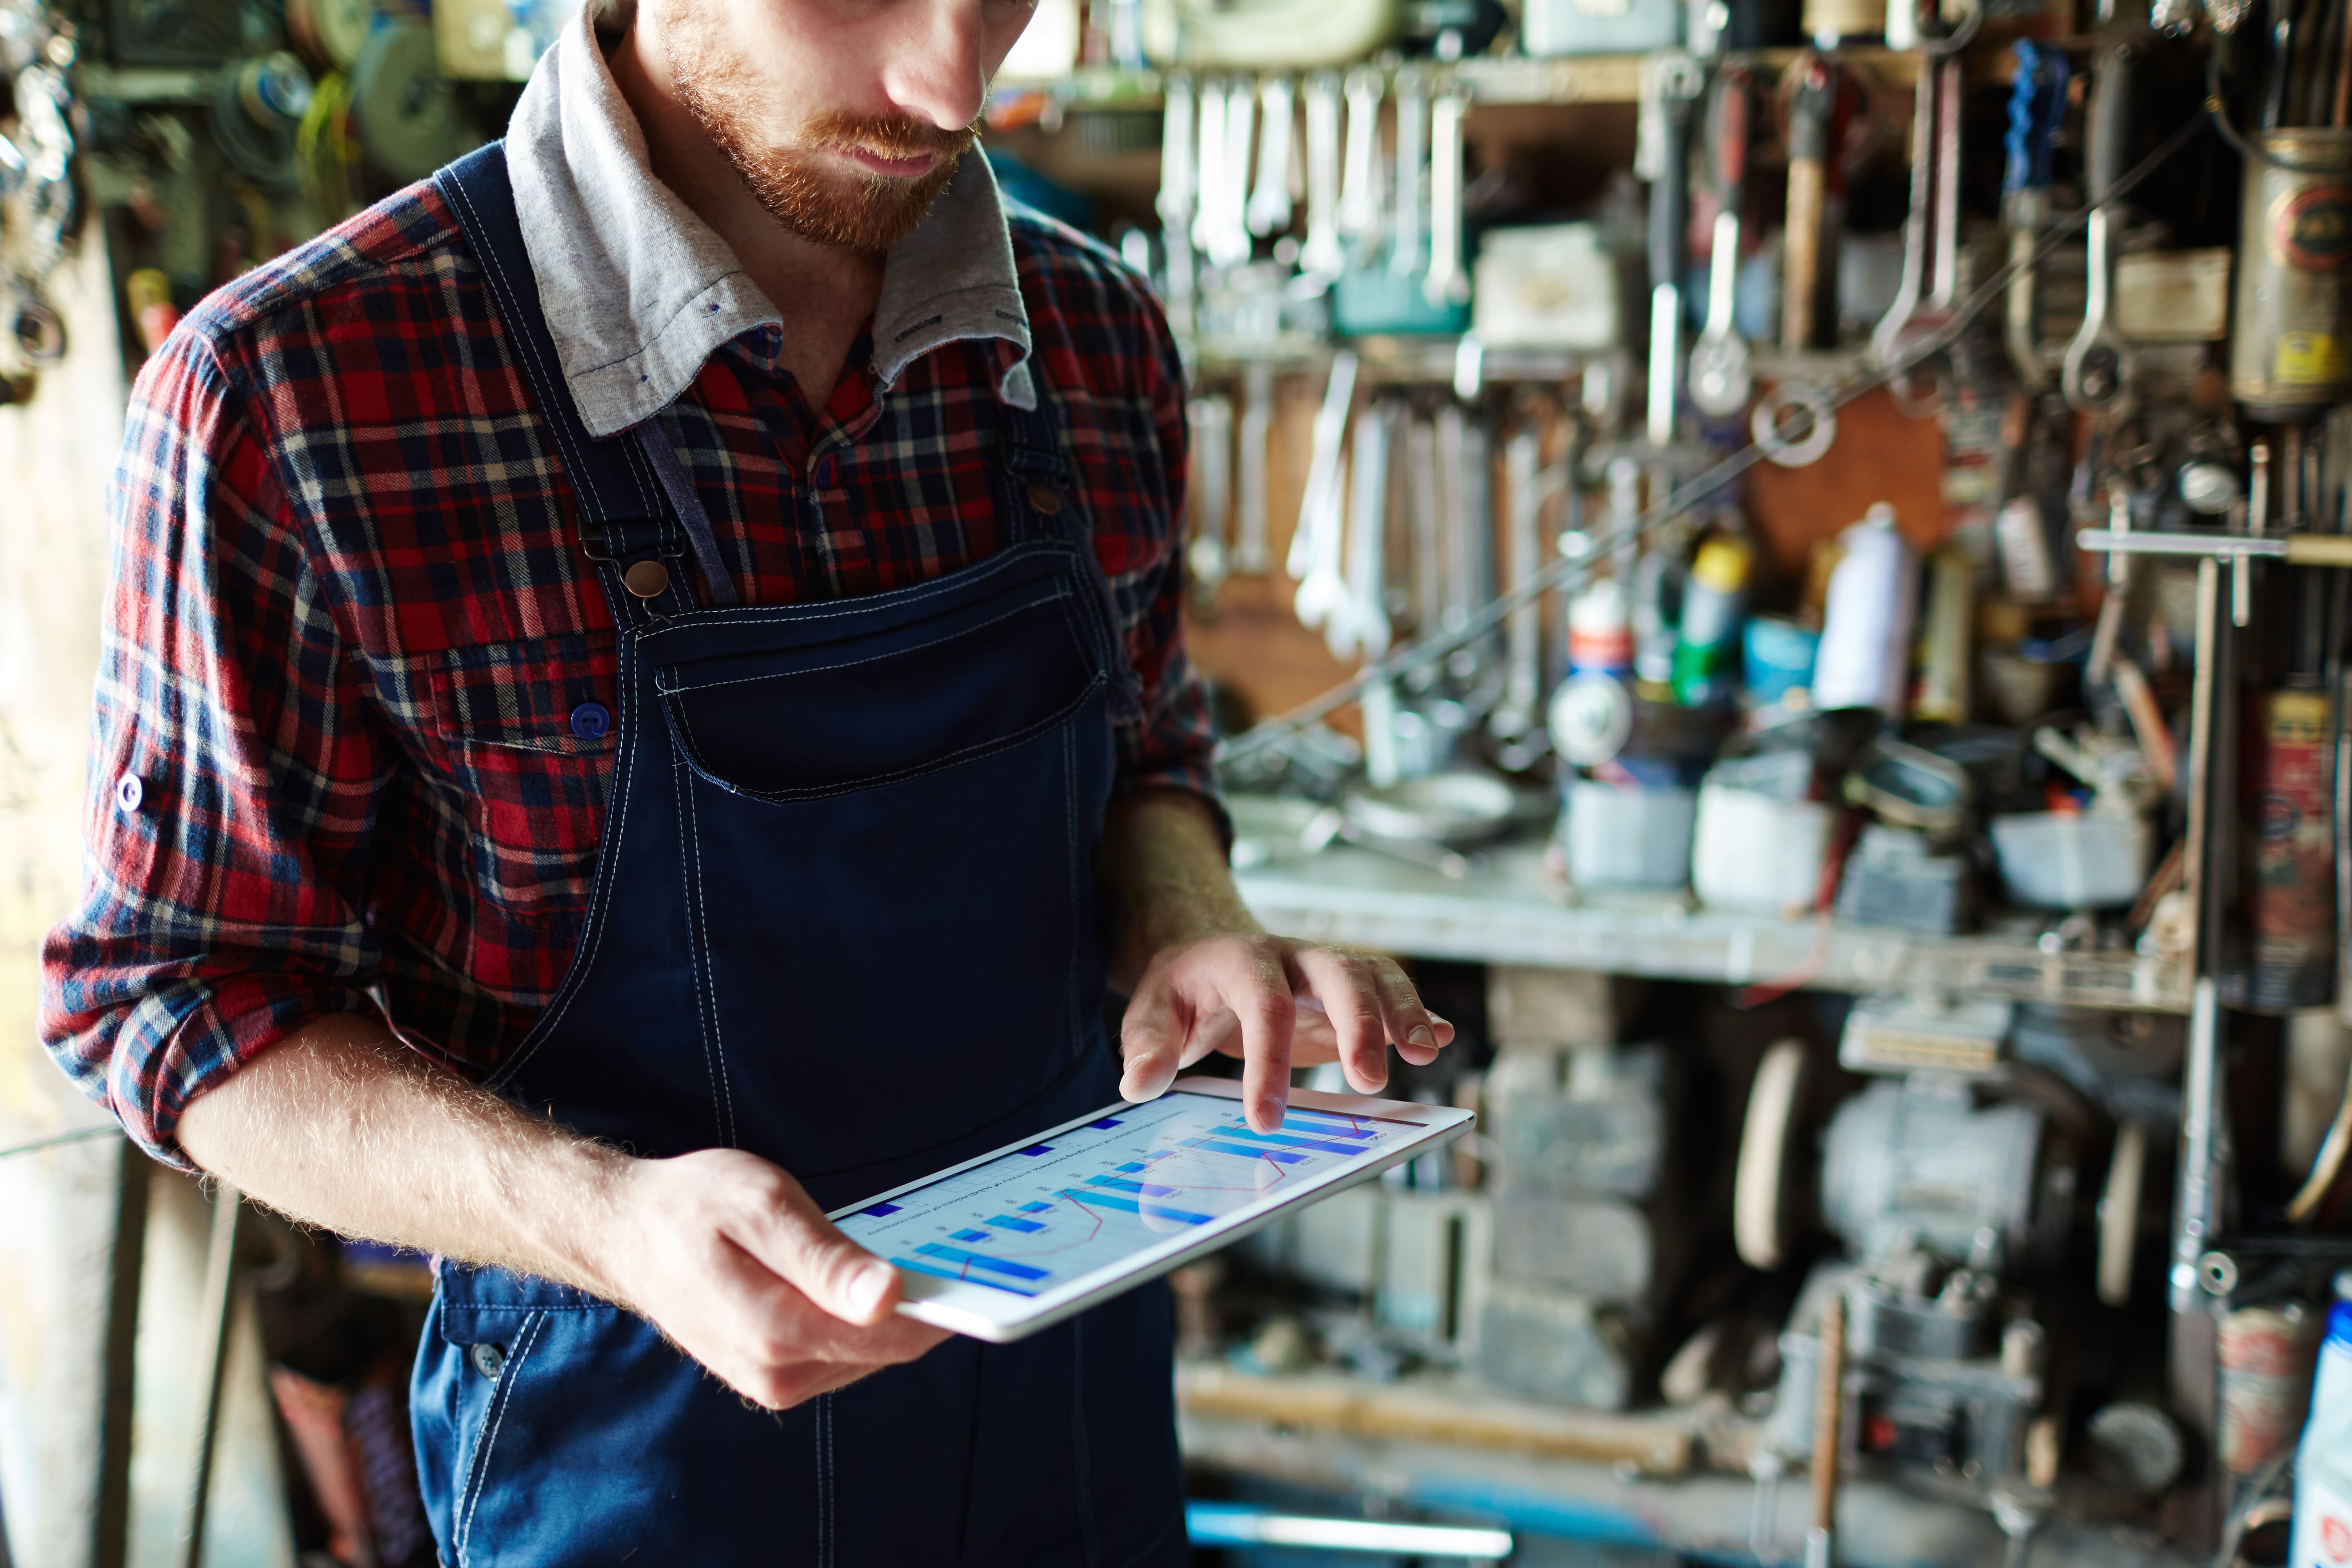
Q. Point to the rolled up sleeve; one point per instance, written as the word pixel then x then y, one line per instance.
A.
pixel 235 765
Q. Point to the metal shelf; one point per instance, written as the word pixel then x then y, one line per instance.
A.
pixel 1509 909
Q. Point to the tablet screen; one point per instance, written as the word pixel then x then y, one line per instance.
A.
pixel 1091 1197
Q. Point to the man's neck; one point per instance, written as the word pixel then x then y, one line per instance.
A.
pixel 832 291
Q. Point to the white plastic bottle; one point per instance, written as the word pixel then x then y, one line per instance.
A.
pixel 2323 1465
pixel 1865 651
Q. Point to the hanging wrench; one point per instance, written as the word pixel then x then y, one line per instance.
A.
pixel 1324 255
pixel 2098 375
pixel 1360 194
pixel 1269 204
pixel 1412 161
pixel 1178 191
pixel 1719 381
pixel 1233 202
pixel 1362 625
pixel 1209 170
pixel 1445 282
pixel 1422 515
pixel 1522 703
pixel 1314 560
pixel 1803 238
pixel 1211 487
pixel 1931 239
pixel 1670 81
pixel 2035 107
pixel 1256 428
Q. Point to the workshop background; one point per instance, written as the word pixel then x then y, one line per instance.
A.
pixel 1789 556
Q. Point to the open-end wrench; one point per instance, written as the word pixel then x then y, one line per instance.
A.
pixel 1671 80
pixel 1719 381
pixel 1522 706
pixel 1931 242
pixel 1423 518
pixel 1232 236
pixel 1211 482
pixel 1412 161
pixel 1208 168
pixel 2096 379
pixel 1256 427
pixel 1360 193
pixel 1362 625
pixel 1268 211
pixel 1314 561
pixel 1446 283
pixel 1324 254
pixel 2036 105
pixel 1177 192
pixel 1804 239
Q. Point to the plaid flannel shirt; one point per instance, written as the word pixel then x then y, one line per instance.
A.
pixel 334 768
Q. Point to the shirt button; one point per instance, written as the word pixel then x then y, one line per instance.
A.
pixel 646 579
pixel 1046 499
pixel 590 720
pixel 488 1359
pixel 824 474
pixel 129 792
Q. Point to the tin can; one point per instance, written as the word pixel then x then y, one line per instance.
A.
pixel 2291 894
pixel 2291 352
pixel 2266 1355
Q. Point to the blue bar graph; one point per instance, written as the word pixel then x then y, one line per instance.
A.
pixel 1105 1125
pixel 1004 1266
pixel 1035 1209
pixel 1329 1126
pixel 1121 1185
pixel 1131 1167
pixel 1006 1222
pixel 1243 1151
pixel 1129 1206
pixel 1288 1140
pixel 969 1236
pixel 938 1273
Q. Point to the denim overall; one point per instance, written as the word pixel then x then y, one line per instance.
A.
pixel 844 918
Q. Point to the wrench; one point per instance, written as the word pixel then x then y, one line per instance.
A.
pixel 1446 283
pixel 1269 204
pixel 1314 560
pixel 1232 248
pixel 1256 427
pixel 1213 453
pixel 1212 169
pixel 1670 81
pixel 1719 381
pixel 1931 231
pixel 1522 703
pixel 1422 512
pixel 1411 160
pixel 1808 150
pixel 2096 379
pixel 2035 107
pixel 1362 625
pixel 1324 255
pixel 1177 192
pixel 1360 195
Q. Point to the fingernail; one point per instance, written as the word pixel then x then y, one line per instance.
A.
pixel 867 1288
pixel 1423 1036
pixel 1446 1023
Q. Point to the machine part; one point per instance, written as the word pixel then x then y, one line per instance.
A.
pixel 1210 491
pixel 1917 1160
pixel 2073 859
pixel 1546 286
pixel 1806 440
pixel 1947 1318
pixel 1806 237
pixel 1896 1032
pixel 256 111
pixel 1760 1186
pixel 2098 375
pixel 1895 878
pixel 2290 350
pixel 1829 1437
pixel 407 116
pixel 2119 1203
pixel 1719 378
pixel 1599 1247
pixel 2197 1208
pixel 1950 637
pixel 2136 1446
pixel 1628 836
pixel 1910 786
pixel 331 33
pixel 1459 809
pixel 40 332
pixel 1551 1344
pixel 1590 719
pixel 1671 80
pixel 1446 283
pixel 1268 211
pixel 1753 853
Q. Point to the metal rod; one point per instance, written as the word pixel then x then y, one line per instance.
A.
pixel 2301 549
pixel 1829 1433
pixel 220 1294
pixel 110 1516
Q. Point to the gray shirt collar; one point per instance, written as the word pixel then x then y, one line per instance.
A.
pixel 639 291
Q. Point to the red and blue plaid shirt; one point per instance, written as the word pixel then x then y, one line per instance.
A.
pixel 349 621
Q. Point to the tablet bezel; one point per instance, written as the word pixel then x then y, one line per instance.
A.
pixel 999 1318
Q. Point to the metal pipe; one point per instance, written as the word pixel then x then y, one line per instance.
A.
pixel 220 1294
pixel 2296 549
pixel 126 1261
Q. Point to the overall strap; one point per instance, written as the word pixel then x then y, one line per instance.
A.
pixel 624 526
pixel 1036 498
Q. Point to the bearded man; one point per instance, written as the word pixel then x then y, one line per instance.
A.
pixel 643 703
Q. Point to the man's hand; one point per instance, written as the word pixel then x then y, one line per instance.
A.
pixel 1277 1005
pixel 726 1254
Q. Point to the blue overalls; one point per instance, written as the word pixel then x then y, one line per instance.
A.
pixel 842 918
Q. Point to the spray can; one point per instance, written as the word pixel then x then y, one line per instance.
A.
pixel 1706 644
pixel 2291 895
pixel 2265 1382
pixel 1864 658
pixel 2290 344
pixel 1600 630
pixel 2323 1470
pixel 1778 663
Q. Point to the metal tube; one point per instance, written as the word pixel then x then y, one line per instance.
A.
pixel 111 1518
pixel 220 1293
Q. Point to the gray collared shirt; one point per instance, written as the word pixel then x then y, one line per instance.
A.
pixel 639 291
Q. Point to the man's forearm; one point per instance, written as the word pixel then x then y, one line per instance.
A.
pixel 1165 880
pixel 341 1126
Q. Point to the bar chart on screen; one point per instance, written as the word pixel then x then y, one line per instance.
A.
pixel 1092 1195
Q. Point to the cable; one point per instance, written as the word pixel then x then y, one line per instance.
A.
pixel 1574 570
pixel 77 1135
pixel 2218 110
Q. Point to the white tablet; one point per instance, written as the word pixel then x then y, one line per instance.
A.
pixel 1002 1246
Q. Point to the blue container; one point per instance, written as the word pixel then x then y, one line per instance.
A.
pixel 1779 659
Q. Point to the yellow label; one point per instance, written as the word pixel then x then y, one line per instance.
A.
pixel 2296 718
pixel 2304 358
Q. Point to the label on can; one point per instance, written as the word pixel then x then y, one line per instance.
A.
pixel 2308 358
pixel 2310 229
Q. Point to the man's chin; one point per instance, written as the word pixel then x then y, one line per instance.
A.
pixel 858 211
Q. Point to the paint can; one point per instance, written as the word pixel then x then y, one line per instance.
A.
pixel 2291 892
pixel 1706 645
pixel 2266 1354
pixel 2291 347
